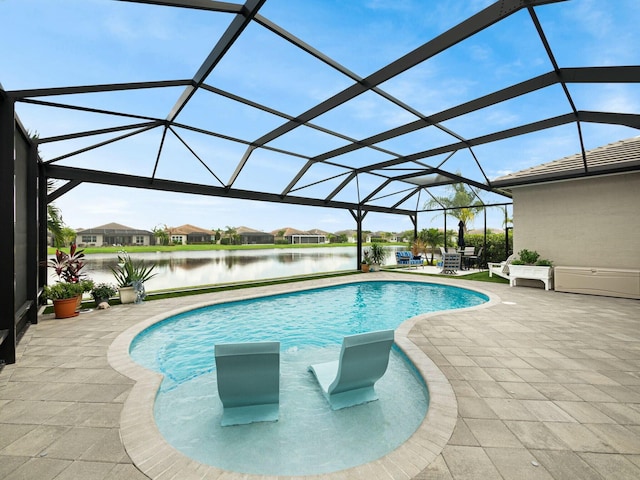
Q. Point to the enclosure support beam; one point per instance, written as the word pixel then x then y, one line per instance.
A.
pixel 32 219
pixel 122 180
pixel 445 229
pixel 481 258
pixel 414 221
pixel 358 216
pixel 43 201
pixel 7 240
pixel 506 234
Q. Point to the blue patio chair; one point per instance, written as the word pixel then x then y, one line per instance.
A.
pixel 407 258
pixel 248 381
pixel 350 380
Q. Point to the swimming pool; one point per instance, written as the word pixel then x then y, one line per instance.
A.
pixel 187 408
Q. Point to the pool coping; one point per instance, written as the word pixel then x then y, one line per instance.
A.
pixel 157 459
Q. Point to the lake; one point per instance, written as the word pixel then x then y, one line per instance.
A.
pixel 194 268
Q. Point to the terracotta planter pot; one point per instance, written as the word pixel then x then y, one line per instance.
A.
pixel 364 267
pixel 65 308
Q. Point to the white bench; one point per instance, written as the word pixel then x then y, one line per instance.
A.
pixel 531 272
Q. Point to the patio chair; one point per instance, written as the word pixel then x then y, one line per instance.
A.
pixel 451 262
pixel 248 381
pixel 407 258
pixel 501 269
pixel 474 259
pixel 467 253
pixel 350 380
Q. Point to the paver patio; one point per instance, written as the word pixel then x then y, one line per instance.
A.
pixel 547 387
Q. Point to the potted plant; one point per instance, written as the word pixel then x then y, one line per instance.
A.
pixel 529 265
pixel 64 296
pixel 102 292
pixel 130 276
pixel 68 266
pixel 85 286
pixel 72 282
pixel 366 261
pixel 378 256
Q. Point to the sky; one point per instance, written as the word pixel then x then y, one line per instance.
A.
pixel 84 42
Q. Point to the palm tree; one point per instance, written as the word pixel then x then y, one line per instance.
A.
pixel 506 220
pixel 69 235
pixel 161 235
pixel 232 234
pixel 432 238
pixel 55 225
pixel 463 204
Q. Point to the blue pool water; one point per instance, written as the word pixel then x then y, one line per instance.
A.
pixel 309 438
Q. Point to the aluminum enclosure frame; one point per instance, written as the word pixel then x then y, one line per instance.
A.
pixel 410 176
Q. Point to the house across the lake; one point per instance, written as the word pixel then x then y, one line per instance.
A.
pixel 294 237
pixel 190 235
pixel 113 234
pixel 249 236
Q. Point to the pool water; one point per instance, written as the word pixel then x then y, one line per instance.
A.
pixel 309 438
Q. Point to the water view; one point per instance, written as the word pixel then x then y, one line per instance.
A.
pixel 194 268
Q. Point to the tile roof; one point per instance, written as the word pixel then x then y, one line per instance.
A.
pixel 618 157
pixel 247 230
pixel 115 228
pixel 188 228
pixel 288 231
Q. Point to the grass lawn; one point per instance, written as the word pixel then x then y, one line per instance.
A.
pixel 482 276
pixel 204 247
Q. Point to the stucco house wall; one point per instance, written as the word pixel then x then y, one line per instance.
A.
pixel 588 222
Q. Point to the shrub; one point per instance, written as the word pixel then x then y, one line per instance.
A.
pixel 61 290
pixel 494 250
pixel 68 266
pixel 128 271
pixel 103 290
pixel 531 257
pixel 378 253
pixel 528 257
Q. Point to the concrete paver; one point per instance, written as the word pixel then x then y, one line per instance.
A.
pixel 543 385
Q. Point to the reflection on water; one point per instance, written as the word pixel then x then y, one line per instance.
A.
pixel 188 269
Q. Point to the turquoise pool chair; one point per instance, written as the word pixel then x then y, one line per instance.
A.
pixel 363 360
pixel 248 381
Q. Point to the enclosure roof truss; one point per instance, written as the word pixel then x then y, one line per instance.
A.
pixel 397 181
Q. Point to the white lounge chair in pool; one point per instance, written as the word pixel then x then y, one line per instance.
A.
pixel 248 381
pixel 363 360
pixel 501 269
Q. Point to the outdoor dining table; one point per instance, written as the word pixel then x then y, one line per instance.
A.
pixel 465 262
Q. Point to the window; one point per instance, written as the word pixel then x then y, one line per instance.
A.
pixel 139 240
pixel 89 239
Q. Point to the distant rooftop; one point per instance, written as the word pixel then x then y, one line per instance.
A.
pixel 114 229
